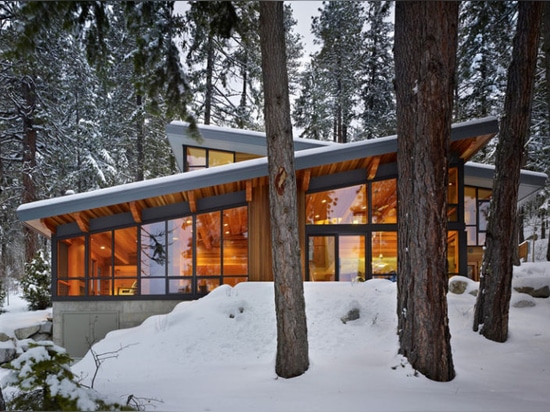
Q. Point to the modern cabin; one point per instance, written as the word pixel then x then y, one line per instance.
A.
pixel 124 253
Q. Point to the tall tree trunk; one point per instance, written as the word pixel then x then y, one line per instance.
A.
pixel 425 55
pixel 209 94
pixel 493 299
pixel 546 51
pixel 292 346
pixel 2 403
pixel 28 90
pixel 140 139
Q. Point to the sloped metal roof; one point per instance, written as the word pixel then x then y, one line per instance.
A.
pixel 466 136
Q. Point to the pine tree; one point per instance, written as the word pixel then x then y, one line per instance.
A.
pixel 377 95
pixel 493 300
pixel 484 54
pixel 425 58
pixel 292 357
pixel 36 283
pixel 339 31
pixel 312 112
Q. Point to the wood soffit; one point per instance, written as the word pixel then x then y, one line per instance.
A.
pixel 464 148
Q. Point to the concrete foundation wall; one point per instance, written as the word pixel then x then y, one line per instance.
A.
pixel 77 323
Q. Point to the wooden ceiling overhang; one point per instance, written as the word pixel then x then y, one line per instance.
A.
pixel 46 216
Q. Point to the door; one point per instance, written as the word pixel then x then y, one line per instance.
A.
pixel 336 258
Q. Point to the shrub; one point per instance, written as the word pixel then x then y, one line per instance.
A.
pixel 45 382
pixel 36 283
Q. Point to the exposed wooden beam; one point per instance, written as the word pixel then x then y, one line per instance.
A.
pixel 136 212
pixel 192 202
pixel 373 168
pixel 82 222
pixel 249 191
pixel 49 226
pixel 306 177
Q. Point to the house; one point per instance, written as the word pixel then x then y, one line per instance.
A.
pixel 122 254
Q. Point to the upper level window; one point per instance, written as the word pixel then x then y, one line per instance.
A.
pixel 349 205
pixel 346 205
pixel 199 158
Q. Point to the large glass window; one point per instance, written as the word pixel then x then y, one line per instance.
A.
pixel 384 255
pixel 336 258
pixel 346 205
pixel 452 195
pixel 71 258
pixel 208 251
pixel 384 201
pixel 100 264
pixel 322 258
pixel 180 255
pixel 476 212
pixel 187 255
pixel 235 245
pixel 351 250
pixel 154 258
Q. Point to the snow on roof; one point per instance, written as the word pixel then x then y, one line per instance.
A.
pixel 229 139
pixel 317 156
pixel 481 175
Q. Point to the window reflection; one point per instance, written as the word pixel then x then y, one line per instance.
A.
pixel 199 158
pixel 70 268
pixel 352 258
pixel 384 201
pixel 452 253
pixel 346 205
pixel 235 244
pixel 195 158
pixel 166 257
pixel 322 258
pixel 384 254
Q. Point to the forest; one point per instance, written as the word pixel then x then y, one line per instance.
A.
pixel 86 89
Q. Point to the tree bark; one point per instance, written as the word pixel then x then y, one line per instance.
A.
pixel 140 139
pixel 546 51
pixel 425 55
pixel 28 90
pixel 2 403
pixel 493 300
pixel 292 346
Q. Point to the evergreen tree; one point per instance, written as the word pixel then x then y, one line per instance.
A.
pixel 425 60
pixel 339 31
pixel 377 95
pixel 225 62
pixel 292 357
pixel 311 109
pixel 36 283
pixel 493 299
pixel 484 54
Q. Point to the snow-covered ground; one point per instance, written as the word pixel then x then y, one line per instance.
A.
pixel 217 354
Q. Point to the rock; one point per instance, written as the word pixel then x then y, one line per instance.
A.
pixel 41 336
pixel 524 304
pixel 4 337
pixel 46 327
pixel 542 292
pixel 462 284
pixel 457 286
pixel 522 300
pixel 25 333
pixel 7 352
pixel 353 314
